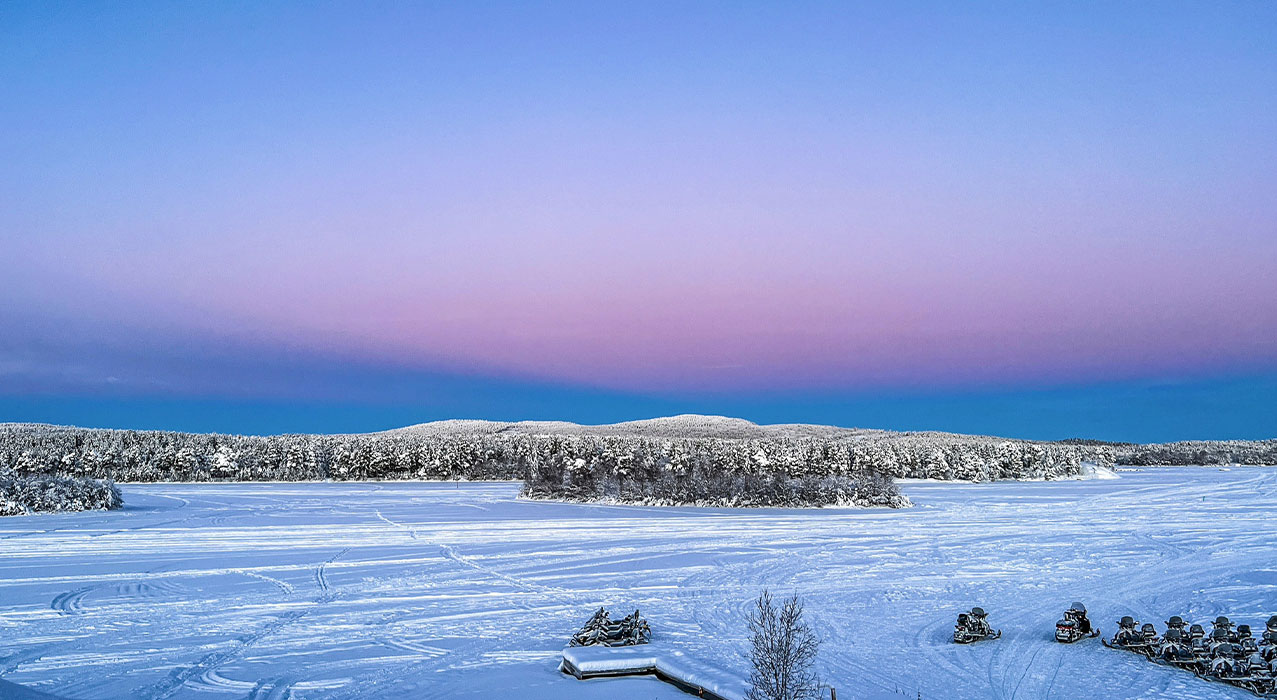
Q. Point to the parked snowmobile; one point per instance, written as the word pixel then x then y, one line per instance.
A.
pixel 1223 623
pixel 594 632
pixel 600 630
pixel 1177 623
pixel 1220 642
pixel 973 626
pixel 1268 642
pixel 1268 645
pixel 1246 643
pixel 1176 650
pixel 1130 637
pixel 632 629
pixel 1264 678
pixel 1261 675
pixel 1074 625
pixel 1225 666
pixel 1149 633
pixel 1199 644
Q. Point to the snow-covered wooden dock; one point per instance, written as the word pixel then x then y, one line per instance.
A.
pixel 671 666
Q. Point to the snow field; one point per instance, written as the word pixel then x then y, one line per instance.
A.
pixel 413 590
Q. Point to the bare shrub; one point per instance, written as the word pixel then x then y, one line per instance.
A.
pixel 783 651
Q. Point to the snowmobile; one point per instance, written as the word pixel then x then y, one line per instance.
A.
pixel 1176 651
pixel 632 629
pixel 1199 644
pixel 1149 633
pixel 1226 625
pixel 1221 642
pixel 1268 645
pixel 600 630
pixel 1074 625
pixel 1177 623
pixel 973 626
pixel 1229 667
pixel 1129 637
pixel 1265 679
pixel 1246 641
pixel 594 632
pixel 1261 676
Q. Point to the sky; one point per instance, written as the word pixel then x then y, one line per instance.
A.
pixel 1039 220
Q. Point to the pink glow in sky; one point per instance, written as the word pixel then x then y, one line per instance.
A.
pixel 824 199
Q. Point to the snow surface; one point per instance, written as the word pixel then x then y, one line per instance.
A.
pixel 407 590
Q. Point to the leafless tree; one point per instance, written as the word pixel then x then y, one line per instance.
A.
pixel 784 650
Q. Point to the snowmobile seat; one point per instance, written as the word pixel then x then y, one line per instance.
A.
pixel 1197 631
pixel 1243 631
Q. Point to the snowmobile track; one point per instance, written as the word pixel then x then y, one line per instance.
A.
pixel 408 620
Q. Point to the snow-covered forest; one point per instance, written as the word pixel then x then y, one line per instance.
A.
pixel 43 493
pixel 774 467
pixel 1250 452
pixel 145 456
pixel 706 472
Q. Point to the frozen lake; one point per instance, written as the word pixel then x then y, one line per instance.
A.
pixel 405 590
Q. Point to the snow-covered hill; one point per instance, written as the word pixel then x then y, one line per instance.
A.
pixel 682 426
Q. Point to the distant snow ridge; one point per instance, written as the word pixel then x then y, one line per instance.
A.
pixel 685 426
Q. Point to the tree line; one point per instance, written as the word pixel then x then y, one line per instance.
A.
pixel 802 470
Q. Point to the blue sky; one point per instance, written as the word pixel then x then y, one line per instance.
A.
pixel 1043 220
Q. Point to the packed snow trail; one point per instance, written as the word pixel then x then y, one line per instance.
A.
pixel 394 590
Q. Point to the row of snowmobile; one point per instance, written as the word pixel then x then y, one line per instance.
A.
pixel 973 626
pixel 601 630
pixel 1229 654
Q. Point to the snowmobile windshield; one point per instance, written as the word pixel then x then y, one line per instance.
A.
pixel 978 612
pixel 1078 607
